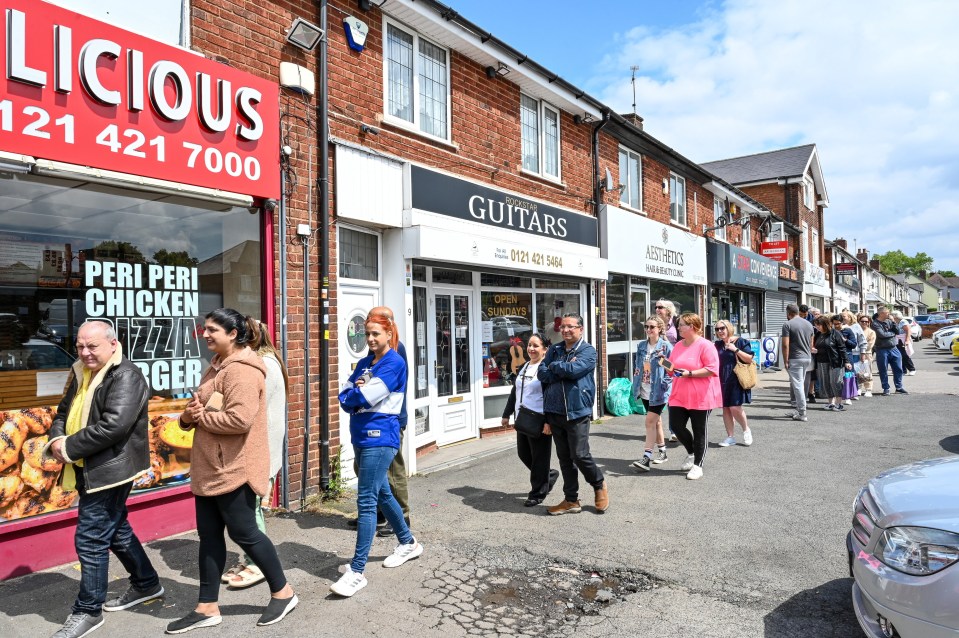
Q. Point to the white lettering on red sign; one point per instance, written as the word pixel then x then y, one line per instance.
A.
pixel 74 85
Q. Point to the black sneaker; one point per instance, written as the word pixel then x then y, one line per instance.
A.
pixel 840 407
pixel 901 391
pixel 193 620
pixel 277 610
pixel 352 523
pixel 886 393
pixel 643 463
pixel 810 399
pixel 78 625
pixel 386 530
pixel 133 596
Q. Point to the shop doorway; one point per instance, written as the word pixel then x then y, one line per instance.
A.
pixel 451 356
pixel 355 302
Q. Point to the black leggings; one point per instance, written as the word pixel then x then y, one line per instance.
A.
pixel 694 443
pixel 234 511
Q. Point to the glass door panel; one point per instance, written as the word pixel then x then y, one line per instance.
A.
pixel 461 341
pixel 443 366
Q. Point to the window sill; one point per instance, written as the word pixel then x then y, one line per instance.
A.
pixel 543 178
pixel 678 225
pixel 638 211
pixel 401 126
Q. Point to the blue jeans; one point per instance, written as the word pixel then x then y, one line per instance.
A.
pixel 373 488
pixel 102 526
pixel 885 357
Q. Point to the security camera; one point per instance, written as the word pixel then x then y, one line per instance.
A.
pixel 270 205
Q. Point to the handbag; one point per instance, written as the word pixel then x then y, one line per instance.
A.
pixel 850 388
pixel 746 372
pixel 528 422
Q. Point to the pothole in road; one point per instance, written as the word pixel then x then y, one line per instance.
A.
pixel 531 602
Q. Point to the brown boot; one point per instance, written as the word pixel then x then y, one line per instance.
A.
pixel 602 498
pixel 566 507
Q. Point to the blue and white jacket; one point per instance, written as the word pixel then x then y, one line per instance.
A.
pixel 375 406
pixel 661 382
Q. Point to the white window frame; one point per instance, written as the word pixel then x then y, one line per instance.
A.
pixel 809 193
pixel 815 246
pixel 675 179
pixel 628 189
pixel 416 125
pixel 805 243
pixel 719 211
pixel 379 253
pixel 541 108
pixel 746 237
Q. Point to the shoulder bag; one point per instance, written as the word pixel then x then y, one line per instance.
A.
pixel 746 373
pixel 527 422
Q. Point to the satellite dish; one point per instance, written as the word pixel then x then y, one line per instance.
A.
pixel 609 180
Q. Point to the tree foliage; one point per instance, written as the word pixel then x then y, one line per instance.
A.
pixel 947 273
pixel 897 262
pixel 174 258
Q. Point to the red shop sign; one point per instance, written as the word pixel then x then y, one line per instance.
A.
pixel 80 91
pixel 775 250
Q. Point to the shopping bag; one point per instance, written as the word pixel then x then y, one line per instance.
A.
pixel 863 371
pixel 850 388
pixel 636 404
pixel 617 397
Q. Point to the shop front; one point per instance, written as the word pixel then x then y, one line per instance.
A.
pixel 739 280
pixel 816 289
pixel 131 205
pixel 471 272
pixel 647 261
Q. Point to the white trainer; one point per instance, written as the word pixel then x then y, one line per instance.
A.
pixel 403 553
pixel 729 440
pixel 868 395
pixel 695 473
pixel 688 463
pixel 748 437
pixel 348 584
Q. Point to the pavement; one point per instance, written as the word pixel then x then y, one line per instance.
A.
pixel 755 548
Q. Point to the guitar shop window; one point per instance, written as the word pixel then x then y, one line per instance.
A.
pixel 507 326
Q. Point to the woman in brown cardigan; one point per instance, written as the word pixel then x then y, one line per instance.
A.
pixel 230 467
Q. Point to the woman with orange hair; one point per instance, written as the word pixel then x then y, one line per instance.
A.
pixel 373 397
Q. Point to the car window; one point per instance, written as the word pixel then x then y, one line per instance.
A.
pixel 46 356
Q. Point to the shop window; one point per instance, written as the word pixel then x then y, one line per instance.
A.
pixel 747 237
pixel 417 81
pixel 359 255
pixel 419 273
pixel 683 296
pixel 505 281
pixel 631 179
pixel 539 126
pixel 153 266
pixel 420 369
pixel 507 326
pixel 422 418
pixel 617 310
pixel 493 406
pixel 639 310
pixel 618 366
pixel 450 276
pixel 556 284
pixel 550 308
pixel 677 199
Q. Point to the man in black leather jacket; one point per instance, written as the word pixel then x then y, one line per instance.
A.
pixel 101 434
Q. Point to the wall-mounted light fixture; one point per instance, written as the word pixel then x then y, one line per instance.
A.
pixel 665 186
pixel 366 5
pixel 502 69
pixel 304 35
pixel 587 118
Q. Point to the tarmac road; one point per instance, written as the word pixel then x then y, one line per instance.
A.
pixel 755 548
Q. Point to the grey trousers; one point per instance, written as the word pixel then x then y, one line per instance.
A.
pixel 799 371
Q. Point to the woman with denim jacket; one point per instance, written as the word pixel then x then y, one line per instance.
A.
pixel 652 385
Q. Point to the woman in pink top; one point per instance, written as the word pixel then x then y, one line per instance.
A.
pixel 696 390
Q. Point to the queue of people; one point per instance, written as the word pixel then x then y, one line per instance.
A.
pixel 100 434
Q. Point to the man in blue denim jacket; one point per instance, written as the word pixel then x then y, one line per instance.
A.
pixel 568 395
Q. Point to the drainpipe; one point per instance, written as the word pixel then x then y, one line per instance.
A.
pixel 285 474
pixel 324 222
pixel 600 288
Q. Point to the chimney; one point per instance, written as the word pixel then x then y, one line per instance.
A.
pixel 842 243
pixel 863 255
pixel 922 275
pixel 634 119
pixel 874 264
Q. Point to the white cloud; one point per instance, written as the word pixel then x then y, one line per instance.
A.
pixel 873 84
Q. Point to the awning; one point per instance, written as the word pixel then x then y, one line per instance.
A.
pixel 871 296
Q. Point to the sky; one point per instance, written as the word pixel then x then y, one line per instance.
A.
pixel 875 85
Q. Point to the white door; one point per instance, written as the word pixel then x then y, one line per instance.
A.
pixel 354 303
pixel 452 366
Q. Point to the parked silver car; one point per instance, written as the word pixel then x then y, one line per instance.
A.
pixel 903 547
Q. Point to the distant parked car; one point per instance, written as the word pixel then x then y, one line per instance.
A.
pixel 943 337
pixel 902 551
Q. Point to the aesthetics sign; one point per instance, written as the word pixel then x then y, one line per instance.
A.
pixel 80 91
